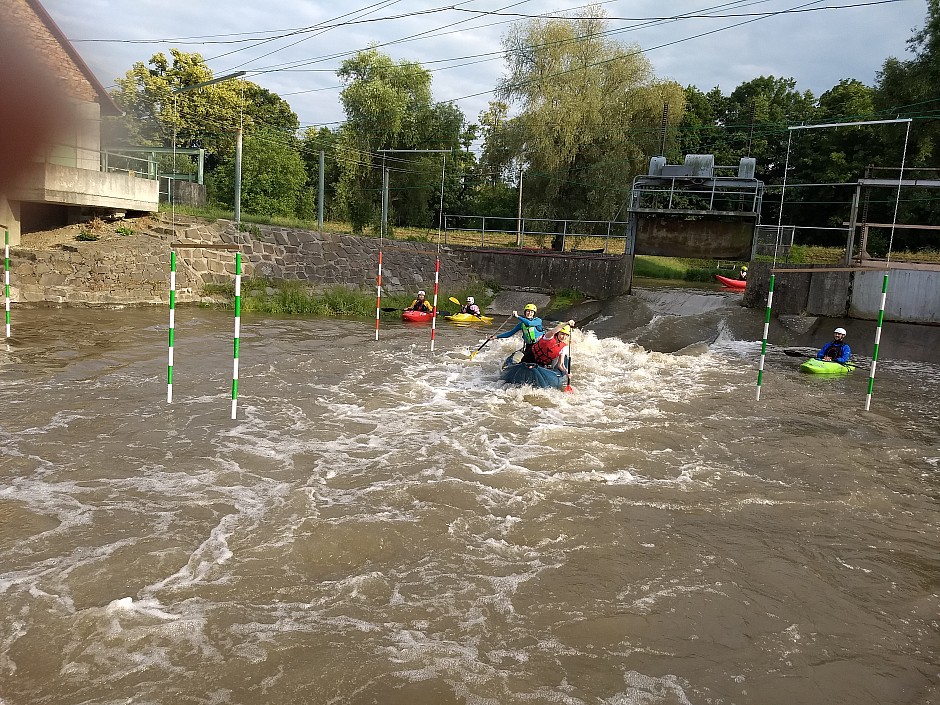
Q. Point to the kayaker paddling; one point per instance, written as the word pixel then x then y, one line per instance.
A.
pixel 528 324
pixel 836 351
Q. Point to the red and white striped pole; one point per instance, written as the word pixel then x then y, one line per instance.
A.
pixel 437 276
pixel 378 297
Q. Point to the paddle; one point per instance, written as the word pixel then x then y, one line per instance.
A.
pixel 485 342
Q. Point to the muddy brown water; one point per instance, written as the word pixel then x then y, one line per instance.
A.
pixel 384 525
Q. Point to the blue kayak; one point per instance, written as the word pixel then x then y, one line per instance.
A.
pixel 531 374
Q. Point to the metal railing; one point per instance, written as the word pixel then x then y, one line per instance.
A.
pixel 594 236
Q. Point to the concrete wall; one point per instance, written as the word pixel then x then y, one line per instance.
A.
pixel 700 239
pixel 913 294
pixel 596 275
pixel 52 183
pixel 135 269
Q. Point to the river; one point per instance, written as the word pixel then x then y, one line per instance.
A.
pixel 385 525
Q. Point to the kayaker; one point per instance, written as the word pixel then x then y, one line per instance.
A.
pixel 420 304
pixel 743 273
pixel 836 351
pixel 471 307
pixel 551 349
pixel 529 324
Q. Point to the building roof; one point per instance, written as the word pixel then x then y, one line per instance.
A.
pixel 108 106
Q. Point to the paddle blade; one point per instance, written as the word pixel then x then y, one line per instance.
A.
pixel 453 300
pixel 474 354
pixel 569 389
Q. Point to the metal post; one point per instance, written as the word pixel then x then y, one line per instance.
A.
pixel 238 323
pixel 853 218
pixel 238 176
pixel 6 279
pixel 519 213
pixel 384 224
pixel 763 347
pixel 320 194
pixel 169 366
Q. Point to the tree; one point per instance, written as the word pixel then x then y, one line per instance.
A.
pixel 273 176
pixel 206 117
pixel 590 111
pixel 388 106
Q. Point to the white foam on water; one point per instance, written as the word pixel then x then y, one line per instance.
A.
pixel 648 690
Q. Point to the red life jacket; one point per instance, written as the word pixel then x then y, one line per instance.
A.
pixel 545 350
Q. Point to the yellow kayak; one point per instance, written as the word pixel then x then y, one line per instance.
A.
pixel 468 318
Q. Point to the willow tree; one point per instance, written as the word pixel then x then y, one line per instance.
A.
pixel 590 114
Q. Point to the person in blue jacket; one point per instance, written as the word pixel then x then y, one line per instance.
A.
pixel 836 351
pixel 529 324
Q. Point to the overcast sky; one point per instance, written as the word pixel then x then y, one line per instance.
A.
pixel 817 47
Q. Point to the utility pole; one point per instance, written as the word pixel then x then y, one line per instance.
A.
pixel 519 212
pixel 320 195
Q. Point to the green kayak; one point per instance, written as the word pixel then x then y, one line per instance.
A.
pixel 822 367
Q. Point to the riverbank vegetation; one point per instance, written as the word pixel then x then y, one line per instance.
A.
pixel 575 144
pixel 294 298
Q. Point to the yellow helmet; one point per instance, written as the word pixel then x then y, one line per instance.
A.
pixel 530 307
pixel 565 329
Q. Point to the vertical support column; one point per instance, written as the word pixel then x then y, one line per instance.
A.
pixel 763 347
pixel 437 272
pixel 378 297
pixel 320 190
pixel 238 323
pixel 238 176
pixel 874 355
pixel 169 366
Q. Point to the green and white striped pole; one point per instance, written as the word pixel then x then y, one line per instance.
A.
pixel 169 367
pixel 763 347
pixel 874 356
pixel 6 276
pixel 238 322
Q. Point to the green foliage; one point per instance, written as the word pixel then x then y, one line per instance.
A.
pixel 86 236
pixel 388 106
pixel 124 230
pixel 206 117
pixel 590 111
pixel 273 176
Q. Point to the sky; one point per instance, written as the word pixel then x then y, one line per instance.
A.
pixel 817 43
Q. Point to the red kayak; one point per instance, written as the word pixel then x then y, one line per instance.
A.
pixel 732 283
pixel 417 316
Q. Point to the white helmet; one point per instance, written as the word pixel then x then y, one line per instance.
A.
pixel 840 330
pixel 421 293
pixel 470 300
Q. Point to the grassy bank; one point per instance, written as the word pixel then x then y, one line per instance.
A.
pixel 684 269
pixel 292 298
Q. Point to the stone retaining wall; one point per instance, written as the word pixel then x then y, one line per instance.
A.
pixel 134 269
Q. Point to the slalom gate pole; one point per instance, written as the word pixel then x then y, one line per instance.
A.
pixel 874 355
pixel 238 324
pixel 763 347
pixel 169 366
pixel 437 273
pixel 378 297
pixel 6 277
